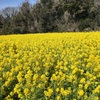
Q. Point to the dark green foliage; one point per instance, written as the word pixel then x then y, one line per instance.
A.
pixel 51 16
pixel 86 25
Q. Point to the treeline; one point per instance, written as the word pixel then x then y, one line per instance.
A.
pixel 51 16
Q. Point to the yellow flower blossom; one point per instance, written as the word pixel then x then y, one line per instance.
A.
pixel 81 93
pixel 57 89
pixel 48 92
pixel 58 98
pixel 26 91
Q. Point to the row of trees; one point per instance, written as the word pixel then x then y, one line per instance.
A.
pixel 51 16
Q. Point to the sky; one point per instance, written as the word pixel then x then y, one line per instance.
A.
pixel 13 3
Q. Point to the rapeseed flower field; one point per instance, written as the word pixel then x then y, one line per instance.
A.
pixel 50 66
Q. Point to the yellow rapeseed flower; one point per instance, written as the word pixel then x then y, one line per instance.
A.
pixel 81 93
pixel 26 91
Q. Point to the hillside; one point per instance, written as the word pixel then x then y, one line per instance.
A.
pixel 52 16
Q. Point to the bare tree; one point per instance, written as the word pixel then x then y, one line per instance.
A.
pixel 9 12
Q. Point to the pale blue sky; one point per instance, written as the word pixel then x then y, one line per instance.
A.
pixel 13 3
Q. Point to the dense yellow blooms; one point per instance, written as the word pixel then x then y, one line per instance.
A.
pixel 50 66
